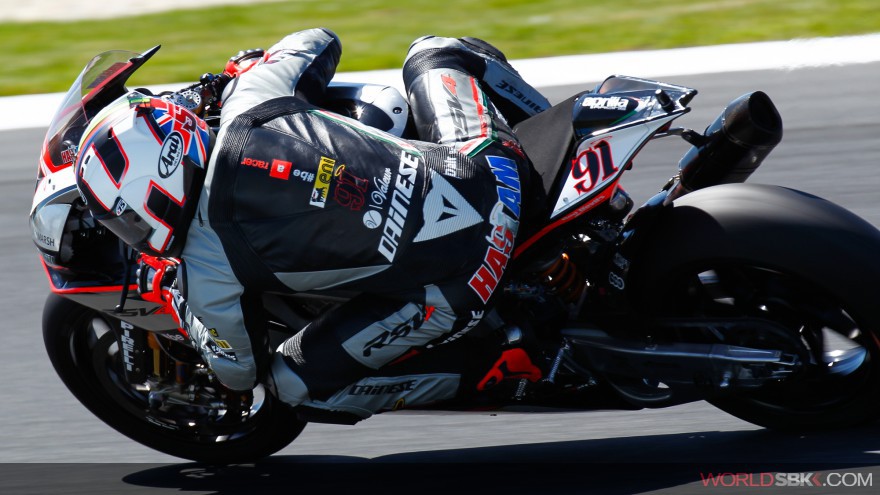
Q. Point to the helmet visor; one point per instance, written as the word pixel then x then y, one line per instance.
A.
pixel 129 227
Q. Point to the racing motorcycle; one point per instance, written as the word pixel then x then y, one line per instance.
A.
pixel 760 299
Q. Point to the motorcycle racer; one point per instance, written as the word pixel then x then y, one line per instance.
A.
pixel 288 197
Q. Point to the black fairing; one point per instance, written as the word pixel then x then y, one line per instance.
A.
pixel 547 138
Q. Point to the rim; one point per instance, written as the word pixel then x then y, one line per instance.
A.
pixel 93 346
pixel 836 352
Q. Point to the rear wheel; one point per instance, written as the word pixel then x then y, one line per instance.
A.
pixel 84 351
pixel 725 255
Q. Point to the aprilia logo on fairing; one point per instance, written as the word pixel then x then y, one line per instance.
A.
pixel 605 103
pixel 400 201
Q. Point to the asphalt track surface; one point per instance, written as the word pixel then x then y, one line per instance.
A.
pixel 831 148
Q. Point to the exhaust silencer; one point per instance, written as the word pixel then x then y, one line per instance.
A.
pixel 733 146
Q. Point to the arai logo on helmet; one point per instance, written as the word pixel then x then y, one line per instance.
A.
pixel 171 155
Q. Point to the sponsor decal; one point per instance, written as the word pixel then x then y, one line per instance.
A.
pixel 373 217
pixel 378 197
pixel 126 341
pixel 171 155
pixel 120 207
pixel 68 155
pixel 445 211
pixel 175 119
pixel 507 180
pixel 459 121
pixel 253 162
pixel 505 223
pixel 393 388
pixel 45 240
pixel 322 182
pixel 222 344
pixel 476 318
pixel 510 89
pixel 215 349
pixel 137 312
pixel 349 189
pixel 605 103
pixel 450 165
pixel 400 201
pixel 280 169
pixel 303 175
pixel 400 331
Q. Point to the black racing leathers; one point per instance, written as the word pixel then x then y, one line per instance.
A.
pixel 301 199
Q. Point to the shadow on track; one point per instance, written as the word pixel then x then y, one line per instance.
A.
pixel 641 464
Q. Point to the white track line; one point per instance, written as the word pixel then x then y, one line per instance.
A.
pixel 29 111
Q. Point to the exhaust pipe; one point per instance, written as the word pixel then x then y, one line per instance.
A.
pixel 732 147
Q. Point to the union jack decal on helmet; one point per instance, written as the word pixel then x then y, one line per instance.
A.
pixel 141 167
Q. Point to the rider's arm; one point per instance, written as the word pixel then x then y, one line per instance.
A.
pixel 211 309
pixel 301 64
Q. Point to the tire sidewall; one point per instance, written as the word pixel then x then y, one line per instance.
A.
pixel 778 229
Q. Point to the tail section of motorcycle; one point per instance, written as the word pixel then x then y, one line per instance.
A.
pixel 758 298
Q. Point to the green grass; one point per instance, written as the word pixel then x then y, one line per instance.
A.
pixel 45 57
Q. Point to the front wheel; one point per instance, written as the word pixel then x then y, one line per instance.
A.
pixel 84 351
pixel 808 266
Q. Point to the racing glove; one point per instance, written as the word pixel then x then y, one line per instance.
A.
pixel 243 61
